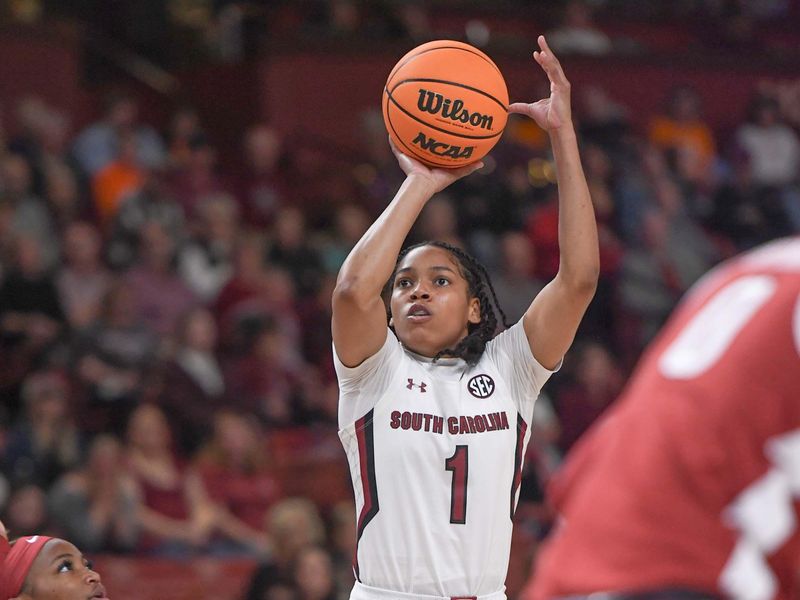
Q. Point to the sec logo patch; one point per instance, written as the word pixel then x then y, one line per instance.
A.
pixel 481 386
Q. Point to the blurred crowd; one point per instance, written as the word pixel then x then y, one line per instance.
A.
pixel 165 353
pixel 177 33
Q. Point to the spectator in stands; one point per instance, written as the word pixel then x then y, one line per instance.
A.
pixel 683 129
pixel 438 221
pixel 274 588
pixel 28 296
pixel 542 230
pixel 255 292
pixel 263 187
pixel 95 506
pixel 648 284
pixel 64 197
pixel 597 381
pixel 175 515
pixel 113 358
pixel 27 510
pixel 600 319
pixel 315 315
pixel 343 546
pixel 270 379
pixel 235 470
pixel 515 283
pixel 41 139
pixel 290 249
pixel 293 524
pixel 774 152
pixel 184 125
pixel 160 295
pixel 83 281
pixel 578 34
pixel 350 223
pixel 152 203
pixel 193 385
pixel 787 93
pixel 27 213
pixel 378 175
pixel 690 250
pixel 344 17
pixel 634 189
pixel 29 303
pixel 197 177
pixel 603 121
pixel 117 179
pixel 743 213
pixel 248 284
pixel 98 144
pixel 542 460
pixel 206 262
pixel 45 441
pixel 414 21
pixel 313 574
pixel 31 112
pixel 31 316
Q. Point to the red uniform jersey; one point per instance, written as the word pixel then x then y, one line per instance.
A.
pixel 692 478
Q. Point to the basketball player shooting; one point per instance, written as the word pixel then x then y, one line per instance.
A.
pixel 434 409
pixel 688 487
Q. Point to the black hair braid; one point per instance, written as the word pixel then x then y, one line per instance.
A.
pixel 471 348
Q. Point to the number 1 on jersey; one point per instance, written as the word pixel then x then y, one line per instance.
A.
pixel 458 464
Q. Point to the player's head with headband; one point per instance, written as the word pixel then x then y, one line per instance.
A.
pixel 44 568
pixel 441 302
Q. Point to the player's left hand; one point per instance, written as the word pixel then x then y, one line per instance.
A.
pixel 554 112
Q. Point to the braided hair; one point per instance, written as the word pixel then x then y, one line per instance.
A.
pixel 471 347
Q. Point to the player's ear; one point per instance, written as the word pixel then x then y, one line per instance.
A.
pixel 474 315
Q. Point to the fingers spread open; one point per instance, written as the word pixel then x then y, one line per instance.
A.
pixel 549 63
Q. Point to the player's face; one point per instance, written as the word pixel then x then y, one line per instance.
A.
pixel 430 302
pixel 60 572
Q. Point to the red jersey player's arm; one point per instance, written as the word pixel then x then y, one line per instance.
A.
pixel 553 317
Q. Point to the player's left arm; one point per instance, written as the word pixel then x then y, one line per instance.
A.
pixel 554 315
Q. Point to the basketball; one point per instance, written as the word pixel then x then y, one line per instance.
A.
pixel 445 103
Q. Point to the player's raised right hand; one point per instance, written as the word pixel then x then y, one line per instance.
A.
pixel 437 178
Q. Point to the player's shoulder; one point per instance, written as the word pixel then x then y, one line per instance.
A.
pixel 505 342
pixel 781 255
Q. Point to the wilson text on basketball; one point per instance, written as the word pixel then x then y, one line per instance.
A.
pixel 451 109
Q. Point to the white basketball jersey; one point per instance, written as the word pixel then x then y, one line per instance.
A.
pixel 435 452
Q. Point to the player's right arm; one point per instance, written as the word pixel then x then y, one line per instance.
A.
pixel 359 315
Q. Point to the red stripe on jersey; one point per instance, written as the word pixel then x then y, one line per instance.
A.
pixel 369 488
pixel 522 428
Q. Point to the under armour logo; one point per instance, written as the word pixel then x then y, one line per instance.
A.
pixel 411 385
pixel 32 540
